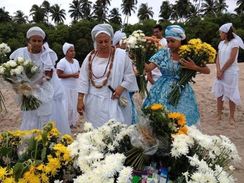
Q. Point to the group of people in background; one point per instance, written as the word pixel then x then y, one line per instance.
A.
pixel 103 87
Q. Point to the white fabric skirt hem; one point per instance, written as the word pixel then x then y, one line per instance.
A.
pixel 220 89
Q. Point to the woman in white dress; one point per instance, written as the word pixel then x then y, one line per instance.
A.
pixel 103 67
pixel 225 86
pixel 50 92
pixel 68 70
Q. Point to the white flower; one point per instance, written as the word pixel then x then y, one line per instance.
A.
pixel 180 145
pixel 20 60
pixel 2 69
pixel 4 48
pixel 87 127
pixel 125 175
pixel 18 70
pixel 34 69
pixel 12 63
pixel 26 62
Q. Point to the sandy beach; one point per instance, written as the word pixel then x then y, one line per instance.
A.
pixel 10 120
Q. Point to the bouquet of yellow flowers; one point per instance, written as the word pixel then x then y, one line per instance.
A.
pixel 201 53
pixel 141 48
pixel 35 155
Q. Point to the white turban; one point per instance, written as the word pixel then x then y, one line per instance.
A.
pixel 35 31
pixel 66 47
pixel 226 27
pixel 118 36
pixel 102 28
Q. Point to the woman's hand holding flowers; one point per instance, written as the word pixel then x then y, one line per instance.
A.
pixel 188 64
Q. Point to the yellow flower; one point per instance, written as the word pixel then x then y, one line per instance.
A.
pixel 9 180
pixel 183 130
pixel 22 180
pixel 67 139
pixel 53 133
pixel 40 167
pixel 62 152
pixel 181 119
pixel 52 165
pixel 2 172
pixel 156 107
pixel 44 178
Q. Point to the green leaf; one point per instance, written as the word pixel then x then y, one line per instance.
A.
pixel 44 153
pixel 19 169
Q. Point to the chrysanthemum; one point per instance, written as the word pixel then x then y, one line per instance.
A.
pixel 156 107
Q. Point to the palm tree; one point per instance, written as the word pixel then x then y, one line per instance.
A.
pixel 57 14
pixel 20 17
pixel 86 7
pixel 46 8
pixel 100 11
pixel 145 12
pixel 183 9
pixel 165 10
pixel 4 15
pixel 240 8
pixel 221 6
pixel 115 16
pixel 127 7
pixel 37 13
pixel 75 10
pixel 197 6
pixel 209 7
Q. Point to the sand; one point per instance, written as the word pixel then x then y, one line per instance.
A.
pixel 207 106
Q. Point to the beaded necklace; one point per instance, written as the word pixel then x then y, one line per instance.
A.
pixel 91 74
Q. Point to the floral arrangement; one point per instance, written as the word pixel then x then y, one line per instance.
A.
pixel 98 153
pixel 25 78
pixel 35 156
pixel 4 49
pixel 141 48
pixel 161 147
pixel 201 53
pixel 185 153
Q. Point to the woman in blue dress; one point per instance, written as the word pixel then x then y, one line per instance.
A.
pixel 169 61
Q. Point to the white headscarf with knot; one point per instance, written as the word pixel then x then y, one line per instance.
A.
pixel 226 27
pixel 35 31
pixel 102 28
pixel 66 47
pixel 118 36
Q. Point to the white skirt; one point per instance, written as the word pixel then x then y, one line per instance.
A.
pixel 71 105
pixel 228 87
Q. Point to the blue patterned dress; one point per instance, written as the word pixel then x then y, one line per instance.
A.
pixel 159 91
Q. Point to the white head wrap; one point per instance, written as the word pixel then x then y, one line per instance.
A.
pixel 226 27
pixel 118 36
pixel 102 28
pixel 66 47
pixel 35 31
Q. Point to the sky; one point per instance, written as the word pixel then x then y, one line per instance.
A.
pixel 25 5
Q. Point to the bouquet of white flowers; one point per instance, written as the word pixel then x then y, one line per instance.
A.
pixel 25 78
pixel 4 48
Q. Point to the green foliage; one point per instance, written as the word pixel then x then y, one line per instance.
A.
pixel 79 32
